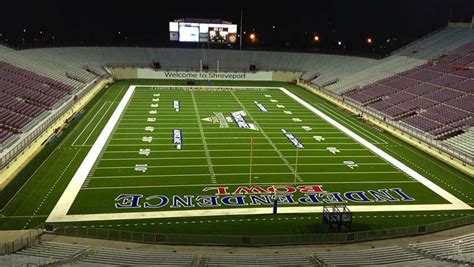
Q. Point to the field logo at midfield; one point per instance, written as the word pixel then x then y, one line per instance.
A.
pixel 219 118
pixel 256 195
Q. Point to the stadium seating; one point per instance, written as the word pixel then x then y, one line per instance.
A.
pixel 25 96
pixel 258 260
pixel 437 43
pixel 43 254
pixel 433 98
pixel 128 257
pixel 377 256
pixel 463 142
pixel 363 76
pixel 458 250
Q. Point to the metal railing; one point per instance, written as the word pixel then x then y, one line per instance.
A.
pixel 256 240
pixel 25 241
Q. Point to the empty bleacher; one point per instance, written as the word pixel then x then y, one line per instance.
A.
pixel 434 98
pixel 458 250
pixel 422 263
pixel 25 96
pixel 127 257
pixel 463 142
pixel 376 256
pixel 258 260
pixel 43 254
pixel 438 43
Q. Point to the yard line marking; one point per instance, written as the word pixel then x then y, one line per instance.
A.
pixel 87 125
pixel 97 124
pixel 204 143
pixel 276 183
pixel 235 157
pixel 238 165
pixel 234 174
pixel 233 143
pixel 297 129
pixel 235 150
pixel 233 138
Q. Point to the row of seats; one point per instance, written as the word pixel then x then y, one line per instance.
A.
pixel 438 43
pixel 435 98
pixel 284 259
pixel 127 257
pixel 47 253
pixel 448 252
pixel 456 249
pixel 463 142
pixel 24 96
pixel 379 256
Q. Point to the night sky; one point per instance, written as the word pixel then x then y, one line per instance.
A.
pixel 389 23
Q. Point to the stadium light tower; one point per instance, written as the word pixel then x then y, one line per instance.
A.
pixel 241 36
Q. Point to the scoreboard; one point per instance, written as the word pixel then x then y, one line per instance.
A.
pixel 203 32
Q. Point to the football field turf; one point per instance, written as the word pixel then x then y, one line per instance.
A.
pixel 203 151
pixel 130 169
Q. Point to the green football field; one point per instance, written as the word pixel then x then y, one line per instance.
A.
pixel 221 170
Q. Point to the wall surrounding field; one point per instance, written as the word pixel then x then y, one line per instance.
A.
pixel 433 151
pixel 147 73
pixel 124 73
pixel 285 76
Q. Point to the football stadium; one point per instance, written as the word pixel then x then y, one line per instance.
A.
pixel 221 147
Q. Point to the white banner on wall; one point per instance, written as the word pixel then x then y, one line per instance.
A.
pixel 183 75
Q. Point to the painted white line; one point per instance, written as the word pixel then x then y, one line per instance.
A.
pixel 67 198
pixel 234 174
pixel 275 148
pixel 239 165
pixel 233 150
pixel 204 143
pixel 243 211
pixel 87 125
pixel 234 157
pixel 241 144
pixel 97 124
pixel 455 202
pixel 239 184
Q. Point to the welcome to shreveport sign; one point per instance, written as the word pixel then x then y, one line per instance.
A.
pixel 180 75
